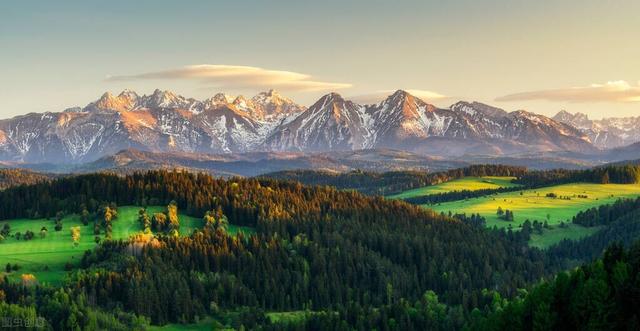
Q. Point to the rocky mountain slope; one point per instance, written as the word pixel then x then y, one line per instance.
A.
pixel 167 122
pixel 606 133
pixel 405 122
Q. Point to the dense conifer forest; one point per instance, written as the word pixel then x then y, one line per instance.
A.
pixel 619 174
pixel 14 177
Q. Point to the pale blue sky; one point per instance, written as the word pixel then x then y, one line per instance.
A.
pixel 58 54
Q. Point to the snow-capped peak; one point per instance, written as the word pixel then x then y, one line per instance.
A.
pixel 170 100
pixel 223 98
pixel 400 94
pixel 580 119
pixel 329 98
pixel 271 103
pixel 477 108
pixel 243 104
pixel 400 99
pixel 164 120
pixel 109 102
pixel 126 93
pixel 163 99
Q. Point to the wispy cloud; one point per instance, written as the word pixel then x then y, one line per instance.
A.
pixel 378 96
pixel 238 77
pixel 615 91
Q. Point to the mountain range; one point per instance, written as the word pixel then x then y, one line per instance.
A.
pixel 606 133
pixel 165 122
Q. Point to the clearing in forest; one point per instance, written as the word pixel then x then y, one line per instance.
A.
pixel 466 183
pixel 45 257
pixel 553 204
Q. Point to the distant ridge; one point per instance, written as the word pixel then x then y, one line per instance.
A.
pixel 167 122
pixel 606 133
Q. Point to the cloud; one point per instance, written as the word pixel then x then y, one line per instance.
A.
pixel 378 96
pixel 615 91
pixel 238 77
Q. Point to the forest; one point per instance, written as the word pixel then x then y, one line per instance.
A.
pixel 389 183
pixel 375 183
pixel 345 260
pixel 14 177
pixel 618 174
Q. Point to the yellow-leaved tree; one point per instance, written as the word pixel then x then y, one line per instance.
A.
pixel 75 235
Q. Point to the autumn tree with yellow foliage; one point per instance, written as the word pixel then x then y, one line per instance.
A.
pixel 75 235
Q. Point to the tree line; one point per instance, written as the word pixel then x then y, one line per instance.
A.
pixel 624 229
pixel 14 177
pixel 623 174
pixel 605 214
pixel 376 183
pixel 618 174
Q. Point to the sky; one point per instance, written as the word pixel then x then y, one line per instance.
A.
pixel 541 56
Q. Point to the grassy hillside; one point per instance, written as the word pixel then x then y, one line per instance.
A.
pixel 466 183
pixel 556 234
pixel 528 204
pixel 46 257
pixel 535 205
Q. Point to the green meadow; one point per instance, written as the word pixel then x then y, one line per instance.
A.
pixel 466 183
pixel 46 257
pixel 556 234
pixel 529 204
pixel 224 321
pixel 288 316
pixel 207 323
pixel 535 205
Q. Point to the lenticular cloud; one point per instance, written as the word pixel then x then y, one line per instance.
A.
pixel 232 76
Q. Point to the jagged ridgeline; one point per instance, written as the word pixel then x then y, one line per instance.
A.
pixel 167 122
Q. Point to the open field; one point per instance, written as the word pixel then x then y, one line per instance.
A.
pixel 210 323
pixel 534 205
pixel 288 316
pixel 46 257
pixel 205 324
pixel 466 183
pixel 557 234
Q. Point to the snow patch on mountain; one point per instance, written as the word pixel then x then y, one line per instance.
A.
pixel 165 121
pixel 609 132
